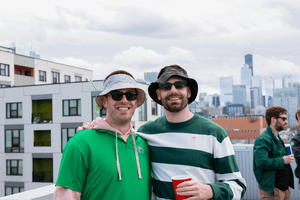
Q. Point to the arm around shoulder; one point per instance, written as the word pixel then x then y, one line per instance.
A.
pixel 62 193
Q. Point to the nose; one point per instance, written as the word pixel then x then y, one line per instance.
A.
pixel 124 98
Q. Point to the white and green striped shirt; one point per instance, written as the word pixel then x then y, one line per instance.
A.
pixel 197 147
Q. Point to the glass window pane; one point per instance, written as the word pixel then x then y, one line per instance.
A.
pixel 20 167
pixel 8 166
pixel 15 190
pixel 8 142
pixel 14 163
pixel 20 110
pixel 66 108
pixel 71 132
pixel 8 110
pixel 73 111
pixel 21 189
pixel 73 103
pixel 22 138
pixel 15 133
pixel 13 106
pixel 8 190
pixel 79 107
pixel 64 137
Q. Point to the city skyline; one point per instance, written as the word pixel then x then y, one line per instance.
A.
pixel 205 38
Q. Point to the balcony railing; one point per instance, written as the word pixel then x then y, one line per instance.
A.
pixel 42 176
pixel 42 144
pixel 14 150
pixel 42 118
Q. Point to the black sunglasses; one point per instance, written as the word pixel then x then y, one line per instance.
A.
pixel 117 95
pixel 178 85
pixel 283 118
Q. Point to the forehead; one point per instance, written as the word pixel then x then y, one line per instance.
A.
pixel 282 115
pixel 174 79
pixel 126 90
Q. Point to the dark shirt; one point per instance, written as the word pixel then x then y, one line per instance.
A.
pixel 282 175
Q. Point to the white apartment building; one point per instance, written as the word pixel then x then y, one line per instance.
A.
pixel 37 121
pixel 16 70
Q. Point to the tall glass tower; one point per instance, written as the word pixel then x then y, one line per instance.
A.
pixel 226 90
pixel 239 94
pixel 246 80
pixel 249 62
pixel 257 82
pixel 286 81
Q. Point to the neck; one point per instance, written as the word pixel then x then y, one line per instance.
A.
pixel 123 128
pixel 181 116
pixel 274 130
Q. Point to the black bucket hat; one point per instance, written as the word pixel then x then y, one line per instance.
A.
pixel 168 72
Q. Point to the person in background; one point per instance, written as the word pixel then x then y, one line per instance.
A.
pixel 295 143
pixel 184 143
pixel 110 163
pixel 271 164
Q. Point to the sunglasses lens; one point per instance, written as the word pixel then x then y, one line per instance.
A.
pixel 131 96
pixel 165 86
pixel 180 84
pixel 116 95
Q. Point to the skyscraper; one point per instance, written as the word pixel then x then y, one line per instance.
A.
pixel 254 97
pixel 226 90
pixel 257 82
pixel 246 80
pixel 239 94
pixel 249 62
pixel 269 86
pixel 286 81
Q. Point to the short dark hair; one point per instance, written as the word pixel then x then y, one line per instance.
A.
pixel 274 111
pixel 175 66
pixel 297 114
pixel 118 72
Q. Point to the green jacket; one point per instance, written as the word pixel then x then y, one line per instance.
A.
pixel 267 160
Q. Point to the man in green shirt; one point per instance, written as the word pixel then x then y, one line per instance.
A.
pixel 271 164
pixel 110 163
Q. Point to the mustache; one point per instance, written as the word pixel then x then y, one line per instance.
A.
pixel 123 104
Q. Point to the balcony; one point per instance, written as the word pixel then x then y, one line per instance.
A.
pixel 42 176
pixel 41 118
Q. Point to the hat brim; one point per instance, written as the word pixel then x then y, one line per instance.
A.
pixel 193 85
pixel 141 96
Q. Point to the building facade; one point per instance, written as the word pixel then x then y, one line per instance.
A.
pixel 249 62
pixel 36 123
pixel 246 80
pixel 226 84
pixel 16 70
pixel 239 94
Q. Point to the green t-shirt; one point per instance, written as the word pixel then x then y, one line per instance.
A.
pixel 88 166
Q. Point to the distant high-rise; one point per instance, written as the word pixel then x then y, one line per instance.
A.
pixel 226 90
pixel 202 95
pixel 150 76
pixel 254 97
pixel 286 81
pixel 297 86
pixel 246 80
pixel 257 82
pixel 239 94
pixel 249 62
pixel 269 87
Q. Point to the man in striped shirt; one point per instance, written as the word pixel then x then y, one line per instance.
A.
pixel 183 143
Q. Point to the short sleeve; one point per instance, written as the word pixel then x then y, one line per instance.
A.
pixel 73 167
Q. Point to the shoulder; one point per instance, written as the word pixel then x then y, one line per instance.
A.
pixel 152 125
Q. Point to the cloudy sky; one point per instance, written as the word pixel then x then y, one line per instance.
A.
pixel 207 38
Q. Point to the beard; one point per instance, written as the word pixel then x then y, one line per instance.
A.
pixel 278 126
pixel 174 107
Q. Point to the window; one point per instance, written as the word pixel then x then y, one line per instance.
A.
pixel 66 135
pixel 227 128
pixel 55 77
pixel 3 85
pixel 13 110
pixel 27 73
pixel 14 141
pixel 4 69
pixel 78 78
pixel 97 112
pixel 143 111
pixel 14 167
pixel 42 138
pixel 13 190
pixel 153 107
pixel 42 76
pixel 67 79
pixel 19 72
pixel 72 107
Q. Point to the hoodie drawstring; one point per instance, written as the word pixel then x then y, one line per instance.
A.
pixel 136 158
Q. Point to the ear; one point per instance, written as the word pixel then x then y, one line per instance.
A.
pixel 158 94
pixel 189 92
pixel 104 102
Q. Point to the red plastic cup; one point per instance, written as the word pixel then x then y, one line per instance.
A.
pixel 176 180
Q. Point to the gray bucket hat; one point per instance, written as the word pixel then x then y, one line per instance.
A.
pixel 120 81
pixel 168 72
